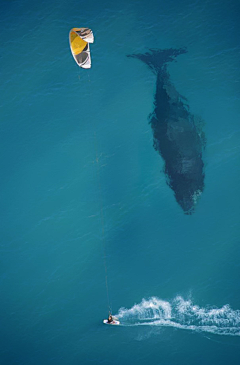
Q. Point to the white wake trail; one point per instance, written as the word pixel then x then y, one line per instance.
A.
pixel 182 314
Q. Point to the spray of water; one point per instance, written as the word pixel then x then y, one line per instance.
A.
pixel 182 314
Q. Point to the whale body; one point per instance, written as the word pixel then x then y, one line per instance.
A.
pixel 177 135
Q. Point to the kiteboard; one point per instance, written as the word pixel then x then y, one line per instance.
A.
pixel 113 323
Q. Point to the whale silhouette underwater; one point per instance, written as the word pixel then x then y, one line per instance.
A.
pixel 177 135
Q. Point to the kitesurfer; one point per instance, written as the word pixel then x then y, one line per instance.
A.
pixel 110 318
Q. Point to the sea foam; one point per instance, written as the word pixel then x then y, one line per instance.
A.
pixel 184 314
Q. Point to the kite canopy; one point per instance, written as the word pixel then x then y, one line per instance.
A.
pixel 79 39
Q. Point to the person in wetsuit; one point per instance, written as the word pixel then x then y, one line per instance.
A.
pixel 110 318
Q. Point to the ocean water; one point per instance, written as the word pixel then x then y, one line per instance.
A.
pixel 83 190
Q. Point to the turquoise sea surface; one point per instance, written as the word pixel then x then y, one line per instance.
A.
pixel 83 192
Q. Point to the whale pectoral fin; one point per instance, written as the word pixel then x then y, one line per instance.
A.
pixel 200 124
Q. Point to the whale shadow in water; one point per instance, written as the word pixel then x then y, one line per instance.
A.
pixel 177 134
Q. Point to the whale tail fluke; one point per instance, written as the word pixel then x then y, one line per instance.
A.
pixel 156 59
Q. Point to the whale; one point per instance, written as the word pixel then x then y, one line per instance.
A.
pixel 178 135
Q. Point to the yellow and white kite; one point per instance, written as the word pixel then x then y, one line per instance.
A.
pixel 79 39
